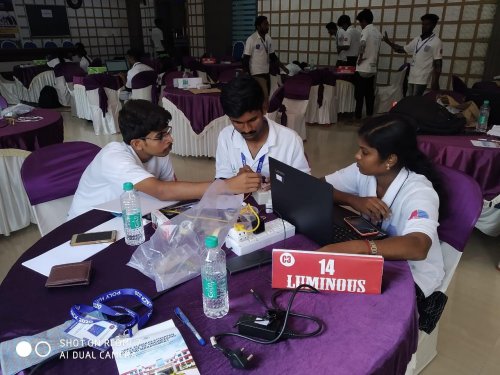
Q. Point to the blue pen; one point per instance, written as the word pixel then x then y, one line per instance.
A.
pixel 186 321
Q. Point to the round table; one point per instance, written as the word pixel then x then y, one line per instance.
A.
pixel 363 334
pixel 199 109
pixel 33 135
pixel 458 152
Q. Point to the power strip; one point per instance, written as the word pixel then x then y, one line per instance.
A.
pixel 242 243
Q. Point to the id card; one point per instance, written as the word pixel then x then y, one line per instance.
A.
pixel 96 335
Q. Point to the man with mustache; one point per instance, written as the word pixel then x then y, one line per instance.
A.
pixel 247 145
pixel 142 158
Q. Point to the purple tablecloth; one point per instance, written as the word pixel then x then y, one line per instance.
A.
pixel 481 163
pixel 200 109
pixel 364 334
pixel 213 70
pixel 26 74
pixel 33 135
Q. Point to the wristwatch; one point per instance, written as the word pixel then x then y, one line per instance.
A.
pixel 373 247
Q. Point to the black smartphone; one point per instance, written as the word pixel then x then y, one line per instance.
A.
pixel 361 226
pixel 95 237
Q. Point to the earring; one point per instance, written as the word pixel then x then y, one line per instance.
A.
pixel 387 166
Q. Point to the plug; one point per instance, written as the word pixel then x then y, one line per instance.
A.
pixel 238 359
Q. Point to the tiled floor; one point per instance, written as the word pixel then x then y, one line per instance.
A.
pixel 469 338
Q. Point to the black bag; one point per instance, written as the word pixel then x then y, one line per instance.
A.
pixel 48 98
pixel 428 117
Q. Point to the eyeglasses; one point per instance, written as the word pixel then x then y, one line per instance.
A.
pixel 161 135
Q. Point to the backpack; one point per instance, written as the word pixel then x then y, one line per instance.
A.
pixel 48 98
pixel 429 117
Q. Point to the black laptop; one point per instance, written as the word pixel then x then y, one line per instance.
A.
pixel 307 202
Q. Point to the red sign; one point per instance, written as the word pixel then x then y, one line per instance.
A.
pixel 346 69
pixel 329 272
pixel 208 60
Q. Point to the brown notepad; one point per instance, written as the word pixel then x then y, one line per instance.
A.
pixel 70 274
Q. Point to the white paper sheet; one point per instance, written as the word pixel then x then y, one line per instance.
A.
pixel 148 204
pixel 495 131
pixel 485 143
pixel 65 253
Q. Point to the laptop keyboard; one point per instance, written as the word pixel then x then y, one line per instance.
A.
pixel 343 234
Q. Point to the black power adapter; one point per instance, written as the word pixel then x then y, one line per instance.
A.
pixel 265 328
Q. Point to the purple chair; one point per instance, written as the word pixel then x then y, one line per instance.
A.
pixel 463 205
pixel 459 85
pixel 144 86
pixel 227 75
pixel 50 177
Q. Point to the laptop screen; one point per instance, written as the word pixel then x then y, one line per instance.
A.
pixel 303 200
pixel 116 66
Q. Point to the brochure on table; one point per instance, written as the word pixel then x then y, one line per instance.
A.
pixel 159 349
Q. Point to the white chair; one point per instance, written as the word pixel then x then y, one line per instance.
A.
pixel 102 92
pixel 296 99
pixel 144 86
pixel 8 90
pixel 64 74
pixel 386 95
pixel 346 103
pixel 50 177
pixel 15 209
pixel 187 142
pixel 489 221
pixel 81 102
pixel 324 89
pixel 32 94
pixel 462 209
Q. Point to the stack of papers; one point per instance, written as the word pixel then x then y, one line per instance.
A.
pixel 494 131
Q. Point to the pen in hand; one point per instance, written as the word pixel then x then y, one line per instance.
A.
pixel 188 324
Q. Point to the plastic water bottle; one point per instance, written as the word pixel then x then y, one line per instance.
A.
pixel 214 279
pixel 185 81
pixel 132 217
pixel 484 113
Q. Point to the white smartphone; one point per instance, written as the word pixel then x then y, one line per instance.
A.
pixel 95 237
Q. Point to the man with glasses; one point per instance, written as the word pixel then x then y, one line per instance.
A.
pixel 142 158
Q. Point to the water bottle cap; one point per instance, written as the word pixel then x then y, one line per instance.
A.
pixel 127 186
pixel 211 241
pixel 487 102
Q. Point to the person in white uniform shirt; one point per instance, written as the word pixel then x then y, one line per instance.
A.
pixel 133 59
pixel 366 67
pixel 142 158
pixel 396 187
pixel 350 43
pixel 339 35
pixel 157 37
pixel 259 53
pixel 253 138
pixel 81 56
pixel 427 56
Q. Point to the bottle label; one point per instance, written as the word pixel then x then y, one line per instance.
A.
pixel 209 288
pixel 134 221
pixel 482 119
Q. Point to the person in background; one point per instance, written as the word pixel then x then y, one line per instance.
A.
pixel 247 145
pixel 82 56
pixel 53 60
pixel 338 34
pixel 427 56
pixel 349 49
pixel 396 187
pixel 133 59
pixel 157 37
pixel 258 53
pixel 366 67
pixel 142 158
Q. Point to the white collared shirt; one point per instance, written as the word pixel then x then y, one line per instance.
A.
pixel 283 144
pixel 115 164
pixel 259 49
pixel 414 208
pixel 424 52
pixel 372 38
pixel 136 68
pixel 340 36
pixel 351 38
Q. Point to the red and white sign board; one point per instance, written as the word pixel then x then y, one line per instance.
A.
pixel 346 69
pixel 208 60
pixel 329 272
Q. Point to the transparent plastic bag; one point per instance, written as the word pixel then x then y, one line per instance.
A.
pixel 16 110
pixel 172 254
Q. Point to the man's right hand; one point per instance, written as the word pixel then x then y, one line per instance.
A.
pixel 244 182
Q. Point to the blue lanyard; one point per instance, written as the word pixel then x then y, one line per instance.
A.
pixel 80 312
pixel 425 41
pixel 259 166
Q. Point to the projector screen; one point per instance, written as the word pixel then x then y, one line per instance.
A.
pixel 47 20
